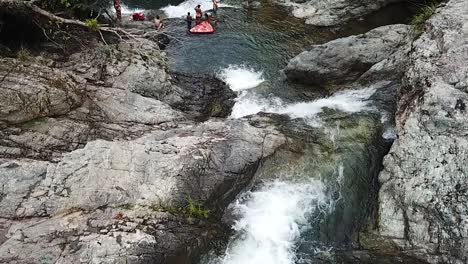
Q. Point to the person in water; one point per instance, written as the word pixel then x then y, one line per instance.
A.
pixel 207 18
pixel 158 23
pixel 215 7
pixel 189 20
pixel 198 14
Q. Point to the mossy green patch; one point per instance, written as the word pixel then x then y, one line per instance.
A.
pixel 32 123
pixel 196 209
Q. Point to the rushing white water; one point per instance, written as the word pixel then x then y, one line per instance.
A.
pixel 127 10
pixel 189 6
pixel 241 77
pixel 249 103
pixel 350 101
pixel 271 220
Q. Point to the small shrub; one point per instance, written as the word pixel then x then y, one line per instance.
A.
pixel 195 209
pixel 92 24
pixel 119 216
pixel 23 55
pixel 419 20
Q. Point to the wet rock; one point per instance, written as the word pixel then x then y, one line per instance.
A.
pixel 346 59
pixel 334 12
pixel 423 197
pixel 251 4
pixel 208 97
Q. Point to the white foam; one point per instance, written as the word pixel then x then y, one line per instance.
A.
pixel 241 77
pixel 183 8
pixel 249 103
pixel 390 133
pixel 271 221
pixel 127 10
pixel 350 101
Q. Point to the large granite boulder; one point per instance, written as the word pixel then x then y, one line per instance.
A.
pixel 30 91
pixel 72 210
pixel 423 201
pixel 108 92
pixel 346 59
pixel 140 67
pixel 333 12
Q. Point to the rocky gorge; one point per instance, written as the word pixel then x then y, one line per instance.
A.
pixel 108 155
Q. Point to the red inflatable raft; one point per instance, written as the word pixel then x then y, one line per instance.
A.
pixel 202 28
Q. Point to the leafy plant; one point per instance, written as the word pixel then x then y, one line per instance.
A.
pixel 92 24
pixel 196 209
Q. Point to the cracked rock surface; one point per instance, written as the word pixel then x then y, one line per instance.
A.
pixel 333 12
pixel 423 202
pixel 345 59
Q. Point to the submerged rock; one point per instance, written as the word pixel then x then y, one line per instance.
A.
pixel 423 203
pixel 346 59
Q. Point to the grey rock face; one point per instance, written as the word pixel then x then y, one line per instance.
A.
pixel 424 192
pixel 344 60
pixel 333 12
pixel 209 162
pixel 109 92
pixel 32 91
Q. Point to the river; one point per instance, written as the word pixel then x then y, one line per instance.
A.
pixel 308 203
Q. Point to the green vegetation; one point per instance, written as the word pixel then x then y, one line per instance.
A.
pixel 216 109
pixel 78 6
pixel 66 3
pixel 195 209
pixel 192 209
pixel 419 20
pixel 127 206
pixel 92 24
pixel 32 123
pixel 23 55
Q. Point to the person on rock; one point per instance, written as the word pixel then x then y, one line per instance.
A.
pixel 118 10
pixel 198 14
pixel 158 23
pixel 189 20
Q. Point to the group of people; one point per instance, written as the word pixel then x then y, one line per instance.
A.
pixel 158 22
pixel 199 15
